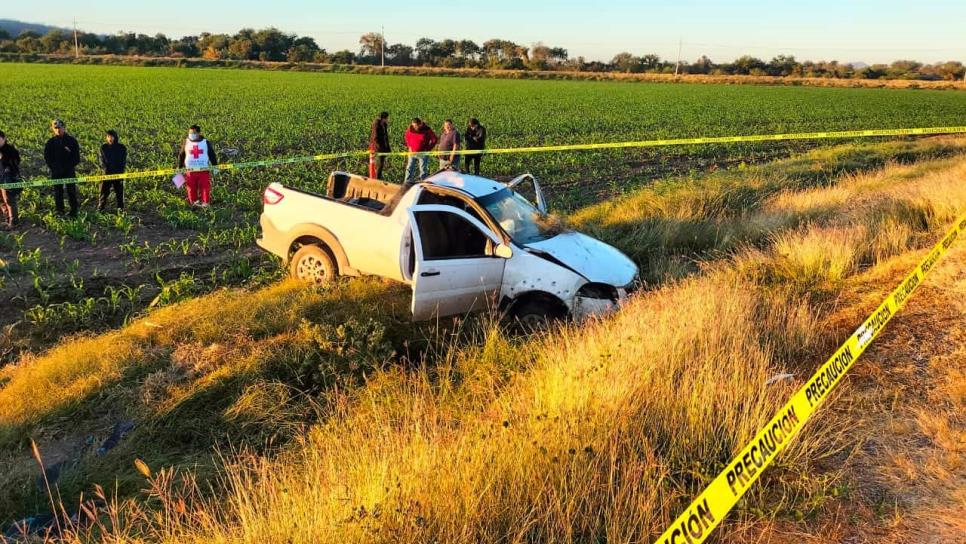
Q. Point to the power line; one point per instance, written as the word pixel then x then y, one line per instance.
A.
pixel 76 46
pixel 677 65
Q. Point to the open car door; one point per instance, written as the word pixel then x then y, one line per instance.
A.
pixel 528 187
pixel 457 269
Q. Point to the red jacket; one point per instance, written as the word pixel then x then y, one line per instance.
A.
pixel 423 139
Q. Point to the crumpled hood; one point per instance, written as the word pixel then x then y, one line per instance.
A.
pixel 589 257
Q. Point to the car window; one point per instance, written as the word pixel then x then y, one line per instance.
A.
pixel 429 197
pixel 528 191
pixel 445 235
pixel 521 221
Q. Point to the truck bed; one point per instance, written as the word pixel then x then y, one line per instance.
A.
pixel 355 212
pixel 372 194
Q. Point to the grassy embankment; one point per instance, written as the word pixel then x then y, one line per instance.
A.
pixel 596 432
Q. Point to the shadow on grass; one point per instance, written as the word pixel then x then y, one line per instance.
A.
pixel 241 369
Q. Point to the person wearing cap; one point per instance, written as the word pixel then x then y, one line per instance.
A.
pixel 9 173
pixel 62 155
pixel 113 159
pixel 378 143
pixel 197 154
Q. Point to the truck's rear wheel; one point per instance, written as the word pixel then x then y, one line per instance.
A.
pixel 313 264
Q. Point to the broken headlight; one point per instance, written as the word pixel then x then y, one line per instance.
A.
pixel 599 291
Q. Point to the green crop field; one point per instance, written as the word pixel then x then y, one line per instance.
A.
pixel 270 114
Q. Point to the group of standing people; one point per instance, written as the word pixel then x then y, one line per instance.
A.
pixel 62 154
pixel 421 140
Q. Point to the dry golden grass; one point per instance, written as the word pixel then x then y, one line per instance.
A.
pixel 594 433
pixel 921 458
pixel 817 257
pixel 192 376
pixel 902 477
pixel 674 224
pixel 574 448
pixel 55 383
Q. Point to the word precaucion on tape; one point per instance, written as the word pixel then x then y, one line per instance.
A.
pixel 699 519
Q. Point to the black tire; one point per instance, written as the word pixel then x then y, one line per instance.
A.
pixel 313 264
pixel 535 315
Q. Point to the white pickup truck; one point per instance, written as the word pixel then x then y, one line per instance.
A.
pixel 462 242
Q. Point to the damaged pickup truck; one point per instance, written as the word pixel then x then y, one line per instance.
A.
pixel 462 242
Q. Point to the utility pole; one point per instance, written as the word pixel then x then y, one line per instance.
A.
pixel 678 65
pixel 382 45
pixel 76 45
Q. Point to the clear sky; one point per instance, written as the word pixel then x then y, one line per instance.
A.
pixel 844 30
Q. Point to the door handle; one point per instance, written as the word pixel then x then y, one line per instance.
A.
pixel 430 273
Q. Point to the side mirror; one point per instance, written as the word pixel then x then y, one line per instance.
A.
pixel 503 251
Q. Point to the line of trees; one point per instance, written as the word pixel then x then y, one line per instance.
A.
pixel 789 66
pixel 268 44
pixel 271 44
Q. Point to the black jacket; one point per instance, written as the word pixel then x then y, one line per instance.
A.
pixel 9 164
pixel 62 155
pixel 212 158
pixel 475 138
pixel 113 158
pixel 379 136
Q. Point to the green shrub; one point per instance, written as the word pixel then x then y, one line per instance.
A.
pixel 344 354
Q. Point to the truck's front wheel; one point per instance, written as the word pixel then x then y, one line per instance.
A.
pixel 535 315
pixel 313 264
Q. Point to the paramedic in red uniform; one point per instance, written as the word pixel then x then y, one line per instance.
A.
pixel 197 152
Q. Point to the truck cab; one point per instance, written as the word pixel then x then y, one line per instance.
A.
pixel 462 242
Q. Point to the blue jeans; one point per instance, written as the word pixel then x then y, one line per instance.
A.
pixel 417 161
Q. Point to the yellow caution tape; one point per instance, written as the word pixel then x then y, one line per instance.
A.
pixel 173 171
pixel 714 140
pixel 931 131
pixel 697 522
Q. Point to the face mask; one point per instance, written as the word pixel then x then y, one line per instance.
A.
pixel 194 136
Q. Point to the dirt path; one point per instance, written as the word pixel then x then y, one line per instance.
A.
pixel 904 476
pixel 911 406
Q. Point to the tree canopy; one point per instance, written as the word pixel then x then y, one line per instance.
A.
pixel 272 44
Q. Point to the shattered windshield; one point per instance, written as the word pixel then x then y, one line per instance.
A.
pixel 524 223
